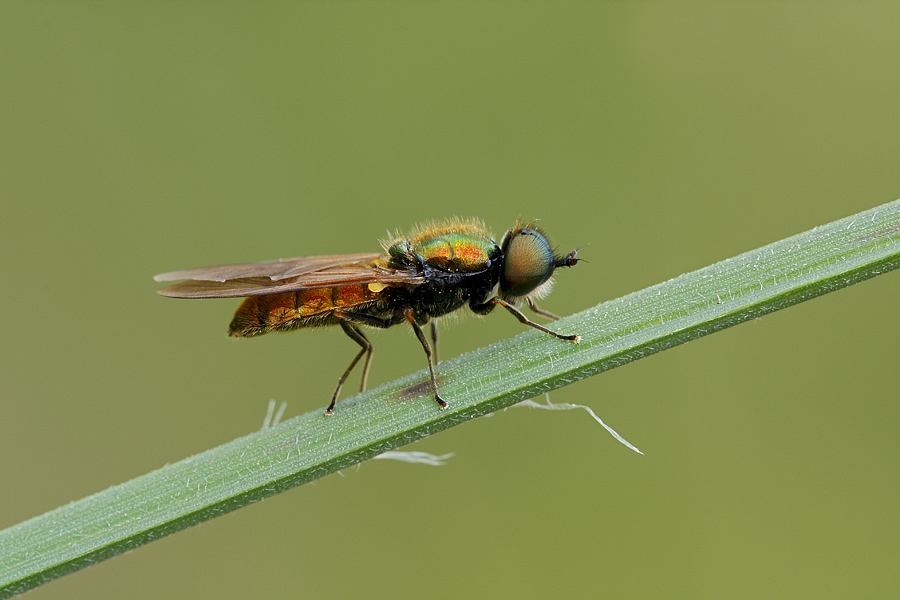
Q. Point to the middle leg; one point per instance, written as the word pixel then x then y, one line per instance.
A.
pixel 411 317
pixel 434 341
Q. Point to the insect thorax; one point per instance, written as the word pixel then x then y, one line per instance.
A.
pixel 457 267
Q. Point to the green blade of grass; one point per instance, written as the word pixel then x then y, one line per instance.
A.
pixel 309 446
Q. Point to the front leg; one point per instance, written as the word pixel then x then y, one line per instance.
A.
pixel 483 309
pixel 539 311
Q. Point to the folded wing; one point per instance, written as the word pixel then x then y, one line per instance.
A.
pixel 275 277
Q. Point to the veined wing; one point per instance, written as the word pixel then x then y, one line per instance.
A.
pixel 273 269
pixel 275 277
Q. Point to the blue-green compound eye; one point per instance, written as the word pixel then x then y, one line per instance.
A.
pixel 528 262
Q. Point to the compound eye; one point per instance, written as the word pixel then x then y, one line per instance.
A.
pixel 528 262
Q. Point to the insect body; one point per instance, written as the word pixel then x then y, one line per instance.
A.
pixel 437 269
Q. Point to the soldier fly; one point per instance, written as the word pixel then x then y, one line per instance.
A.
pixel 437 269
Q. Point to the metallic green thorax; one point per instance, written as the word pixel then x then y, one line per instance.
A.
pixel 458 249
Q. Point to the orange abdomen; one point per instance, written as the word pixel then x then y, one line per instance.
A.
pixel 291 310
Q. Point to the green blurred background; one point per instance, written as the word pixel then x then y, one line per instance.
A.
pixel 658 137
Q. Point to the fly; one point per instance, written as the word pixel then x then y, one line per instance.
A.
pixel 437 269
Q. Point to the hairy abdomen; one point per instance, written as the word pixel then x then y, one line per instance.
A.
pixel 291 310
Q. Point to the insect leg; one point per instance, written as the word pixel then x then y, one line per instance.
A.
pixel 411 317
pixel 434 341
pixel 539 311
pixel 366 348
pixel 487 306
pixel 365 374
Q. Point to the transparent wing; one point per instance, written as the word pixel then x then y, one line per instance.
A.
pixel 275 277
pixel 273 269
